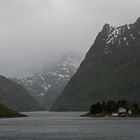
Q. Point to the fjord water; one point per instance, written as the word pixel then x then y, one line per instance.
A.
pixel 68 126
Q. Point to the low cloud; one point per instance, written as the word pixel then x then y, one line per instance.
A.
pixel 35 32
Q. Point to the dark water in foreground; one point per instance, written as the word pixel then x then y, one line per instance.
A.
pixel 68 126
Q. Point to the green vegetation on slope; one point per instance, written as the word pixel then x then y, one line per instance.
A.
pixel 16 97
pixel 5 112
pixel 114 75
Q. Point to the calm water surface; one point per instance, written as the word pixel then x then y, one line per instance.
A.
pixel 68 126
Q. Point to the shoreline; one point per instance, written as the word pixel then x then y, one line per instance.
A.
pixel 108 115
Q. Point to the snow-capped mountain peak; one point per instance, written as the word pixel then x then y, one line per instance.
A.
pixel 122 36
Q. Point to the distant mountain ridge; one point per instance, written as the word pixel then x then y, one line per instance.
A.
pixel 16 97
pixel 47 85
pixel 110 70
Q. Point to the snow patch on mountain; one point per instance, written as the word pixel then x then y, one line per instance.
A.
pixel 119 36
pixel 48 84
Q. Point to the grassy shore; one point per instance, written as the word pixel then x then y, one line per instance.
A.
pixel 103 114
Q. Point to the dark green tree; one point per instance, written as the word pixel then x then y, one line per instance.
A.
pixel 122 103
pixel 111 106
pixel 103 105
pixel 96 108
pixel 135 106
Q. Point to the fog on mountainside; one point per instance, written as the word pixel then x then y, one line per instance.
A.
pixel 34 33
pixel 46 85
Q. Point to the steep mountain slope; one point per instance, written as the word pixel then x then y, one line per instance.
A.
pixel 5 112
pixel 111 70
pixel 47 85
pixel 16 97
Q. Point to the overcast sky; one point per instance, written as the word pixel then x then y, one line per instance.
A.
pixel 33 32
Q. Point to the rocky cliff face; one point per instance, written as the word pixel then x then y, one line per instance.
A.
pixel 110 70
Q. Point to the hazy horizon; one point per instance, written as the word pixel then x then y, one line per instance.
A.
pixel 37 32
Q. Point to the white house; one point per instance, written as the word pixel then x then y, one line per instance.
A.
pixel 122 110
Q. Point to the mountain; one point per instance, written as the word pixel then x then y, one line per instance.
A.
pixel 47 85
pixel 110 70
pixel 16 97
pixel 5 112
